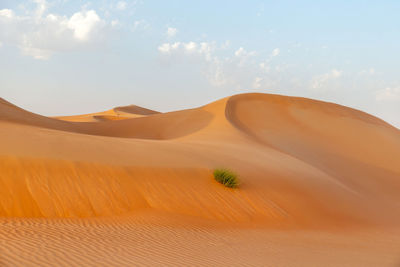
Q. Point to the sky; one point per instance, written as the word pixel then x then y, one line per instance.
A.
pixel 64 57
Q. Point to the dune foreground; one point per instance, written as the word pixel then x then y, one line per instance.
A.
pixel 320 186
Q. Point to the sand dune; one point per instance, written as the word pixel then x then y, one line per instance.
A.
pixel 118 113
pixel 157 126
pixel 303 164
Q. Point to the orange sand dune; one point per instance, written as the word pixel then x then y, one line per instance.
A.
pixel 118 113
pixel 303 164
pixel 157 126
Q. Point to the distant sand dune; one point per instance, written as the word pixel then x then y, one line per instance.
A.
pixel 118 113
pixel 133 109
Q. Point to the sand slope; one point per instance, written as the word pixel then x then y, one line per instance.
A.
pixel 304 164
pixel 160 240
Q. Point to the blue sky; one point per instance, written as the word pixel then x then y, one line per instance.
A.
pixel 69 57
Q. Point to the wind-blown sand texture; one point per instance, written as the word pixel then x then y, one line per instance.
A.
pixel 320 185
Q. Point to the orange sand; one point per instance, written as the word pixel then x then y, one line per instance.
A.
pixel 118 113
pixel 320 184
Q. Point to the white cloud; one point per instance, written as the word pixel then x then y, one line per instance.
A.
pixel 335 73
pixel 264 67
pixel 226 44
pixel 40 35
pixel 321 80
pixel 202 53
pixel 370 71
pixel 36 53
pixel 115 23
pixel 257 82
pixel 203 48
pixel 389 94
pixel 165 48
pixel 243 56
pixel 227 68
pixel 190 47
pixel 241 52
pixel 275 52
pixel 6 13
pixel 168 48
pixel 140 25
pixel 236 70
pixel 84 24
pixel 171 32
pixel 41 7
pixel 121 5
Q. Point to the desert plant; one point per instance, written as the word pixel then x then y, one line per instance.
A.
pixel 226 177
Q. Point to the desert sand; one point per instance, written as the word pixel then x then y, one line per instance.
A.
pixel 320 186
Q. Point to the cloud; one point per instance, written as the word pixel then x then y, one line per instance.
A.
pixel 191 47
pixel 228 68
pixel 242 55
pixel 257 82
pixel 226 44
pixel 241 52
pixel 171 32
pixel 83 24
pixel 168 48
pixel 115 23
pixel 121 5
pixel 275 52
pixel 41 7
pixel 140 25
pixel 321 80
pixel 202 53
pixel 40 36
pixel 389 94
pixel 370 71
pixel 6 13
pixel 264 67
pixel 237 69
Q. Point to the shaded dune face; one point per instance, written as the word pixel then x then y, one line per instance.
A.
pixel 301 162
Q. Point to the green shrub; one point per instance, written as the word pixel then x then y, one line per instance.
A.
pixel 226 177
